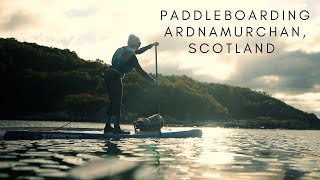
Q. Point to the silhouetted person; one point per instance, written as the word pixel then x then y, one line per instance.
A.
pixel 124 60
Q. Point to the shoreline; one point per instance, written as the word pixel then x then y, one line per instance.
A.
pixel 236 124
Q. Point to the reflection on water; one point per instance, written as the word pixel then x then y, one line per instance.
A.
pixel 219 154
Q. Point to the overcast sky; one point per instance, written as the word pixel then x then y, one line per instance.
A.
pixel 94 29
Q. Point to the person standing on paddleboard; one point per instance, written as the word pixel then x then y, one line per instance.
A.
pixel 124 60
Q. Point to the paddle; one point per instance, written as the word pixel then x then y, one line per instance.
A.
pixel 158 98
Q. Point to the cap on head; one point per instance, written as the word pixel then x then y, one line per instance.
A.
pixel 133 40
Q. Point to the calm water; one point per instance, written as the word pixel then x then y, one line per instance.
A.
pixel 219 154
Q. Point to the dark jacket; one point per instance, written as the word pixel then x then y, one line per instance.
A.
pixel 125 60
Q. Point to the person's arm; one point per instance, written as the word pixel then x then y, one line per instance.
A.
pixel 144 74
pixel 143 49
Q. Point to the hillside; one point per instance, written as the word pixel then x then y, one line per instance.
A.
pixel 41 82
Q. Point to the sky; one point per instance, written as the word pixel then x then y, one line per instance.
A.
pixel 94 29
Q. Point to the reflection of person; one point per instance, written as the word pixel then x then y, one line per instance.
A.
pixel 123 61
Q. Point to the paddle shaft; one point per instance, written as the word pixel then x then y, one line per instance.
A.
pixel 158 96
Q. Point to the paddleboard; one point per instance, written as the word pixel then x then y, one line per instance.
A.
pixel 39 135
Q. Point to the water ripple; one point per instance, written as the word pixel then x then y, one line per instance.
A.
pixel 220 154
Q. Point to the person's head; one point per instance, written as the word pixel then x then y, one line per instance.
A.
pixel 134 41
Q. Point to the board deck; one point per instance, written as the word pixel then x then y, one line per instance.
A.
pixel 38 135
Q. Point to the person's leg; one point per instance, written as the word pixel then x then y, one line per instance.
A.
pixel 109 86
pixel 117 110
pixel 117 102
pixel 109 110
pixel 108 128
